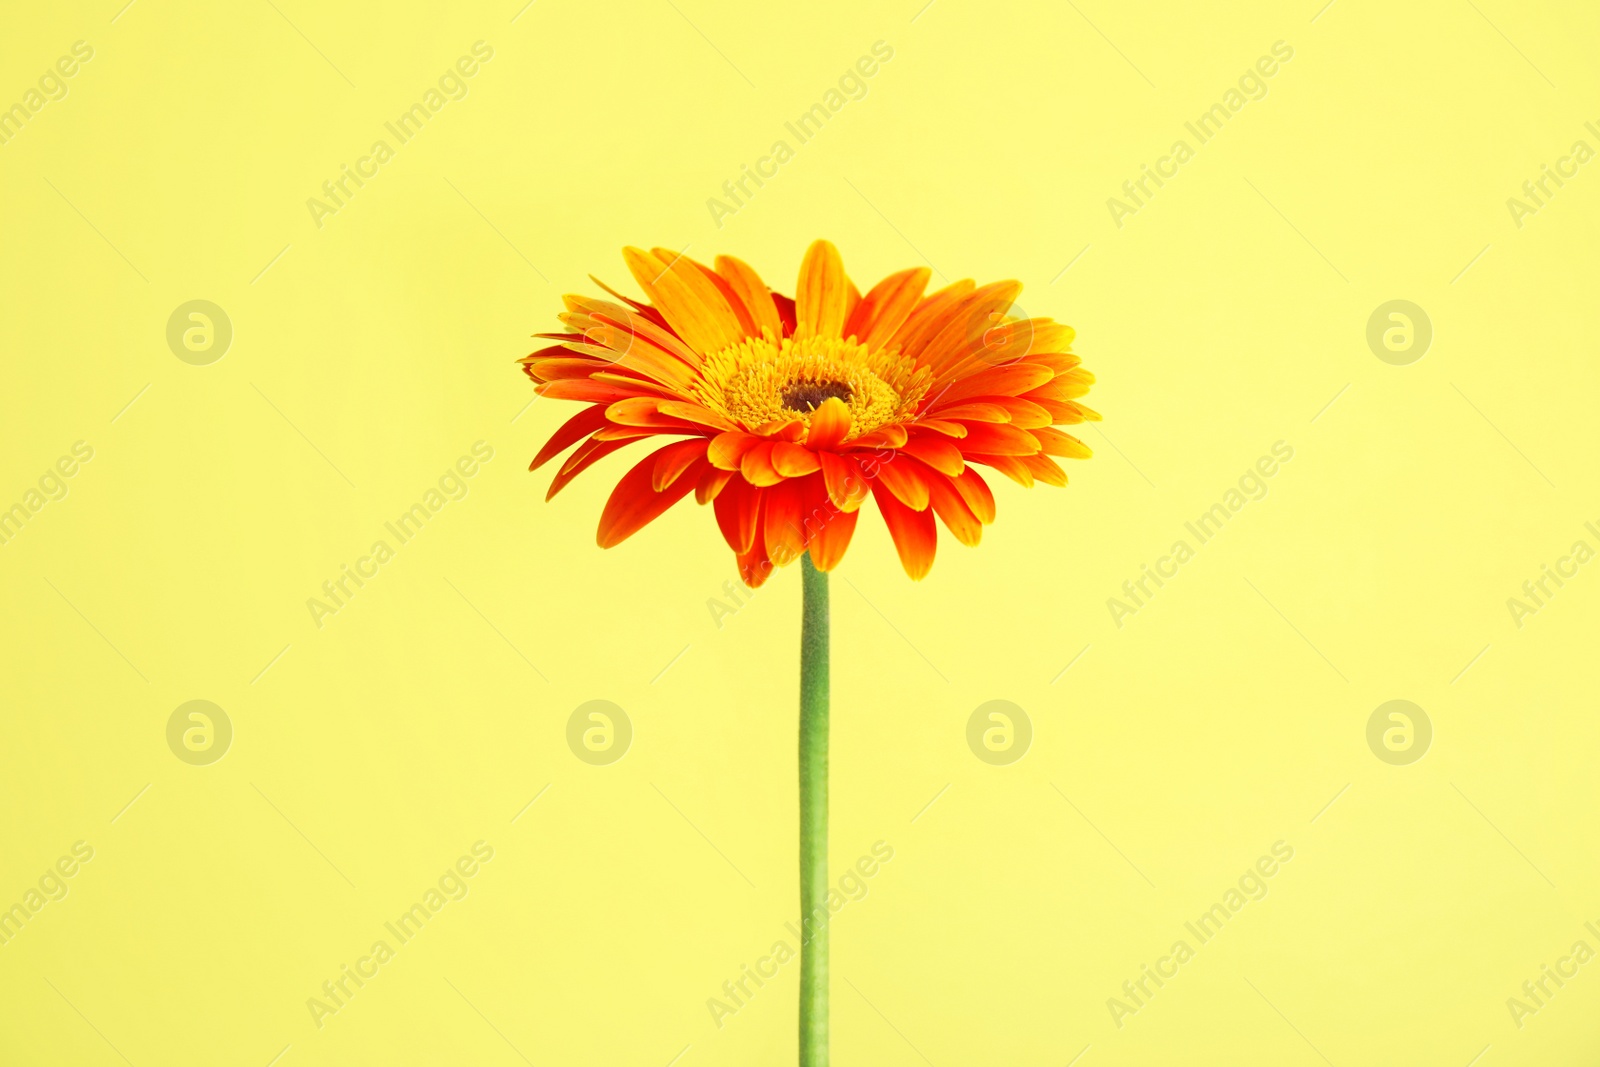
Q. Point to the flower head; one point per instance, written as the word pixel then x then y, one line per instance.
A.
pixel 788 414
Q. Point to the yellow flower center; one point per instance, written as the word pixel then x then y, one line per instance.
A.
pixel 761 380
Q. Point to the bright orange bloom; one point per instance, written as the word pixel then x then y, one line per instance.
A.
pixel 790 413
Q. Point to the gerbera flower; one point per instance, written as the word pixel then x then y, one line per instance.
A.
pixel 790 413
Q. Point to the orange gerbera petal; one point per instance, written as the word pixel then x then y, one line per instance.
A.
pixel 1060 362
pixel 987 409
pixel 637 411
pixel 998 439
pixel 694 308
pixel 820 301
pixel 1068 386
pixel 1013 379
pixel 756 465
pixel 794 461
pixel 913 532
pixel 937 452
pixel 949 429
pixel 572 431
pixel 727 449
pixel 953 511
pixel 592 391
pixel 755 566
pixel 972 323
pixel 617 335
pixel 886 306
pixel 1025 414
pixel 846 485
pixel 646 326
pixel 681 409
pixel 673 460
pixel 621 351
pixel 975 492
pixel 635 385
pixel 711 484
pixel 613 432
pixel 890 436
pixel 1045 469
pixel 634 503
pixel 852 300
pixel 903 480
pixel 783 521
pixel 565 366
pixel 830 424
pixel 753 292
pixel 644 310
pixel 1067 412
pixel 569 338
pixel 738 509
pixel 587 455
pixel 831 539
pixel 928 317
pixel 785 306
pixel 549 352
pixel 1001 341
pixel 740 310
pixel 1011 466
pixel 1055 443
pixel 783 430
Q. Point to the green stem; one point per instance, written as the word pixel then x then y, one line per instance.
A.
pixel 814 816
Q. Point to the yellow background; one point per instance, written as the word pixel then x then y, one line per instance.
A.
pixel 370 353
